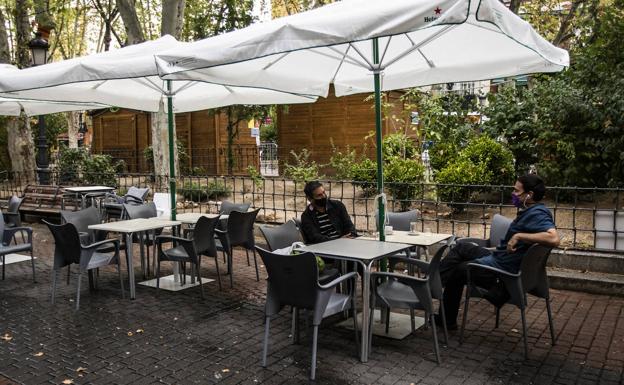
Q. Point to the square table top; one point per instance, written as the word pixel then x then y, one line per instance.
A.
pixel 356 248
pixel 79 189
pixel 135 225
pixel 191 218
pixel 416 239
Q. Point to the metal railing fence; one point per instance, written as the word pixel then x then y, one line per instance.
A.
pixel 586 218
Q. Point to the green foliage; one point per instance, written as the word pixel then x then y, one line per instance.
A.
pixel 255 176
pixel 483 162
pixel 364 173
pixel 442 153
pixel 99 170
pixel 399 145
pixel 268 132
pixel 195 192
pixel 303 169
pixel 403 179
pixel 76 165
pixel 69 164
pixel 342 162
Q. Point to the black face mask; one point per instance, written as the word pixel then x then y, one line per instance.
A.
pixel 321 202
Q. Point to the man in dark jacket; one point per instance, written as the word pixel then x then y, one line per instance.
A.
pixel 533 224
pixel 324 219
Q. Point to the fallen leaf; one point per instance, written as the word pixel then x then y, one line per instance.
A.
pixel 68 381
pixel 226 370
pixel 139 331
pixel 38 354
pixel 81 369
pixel 514 330
pixel 7 337
pixel 130 334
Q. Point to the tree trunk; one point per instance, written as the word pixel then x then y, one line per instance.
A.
pixel 134 33
pixel 21 148
pixel 514 6
pixel 5 53
pixel 22 33
pixel 172 17
pixel 160 142
pixel 73 124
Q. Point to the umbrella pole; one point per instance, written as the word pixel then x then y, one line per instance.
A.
pixel 172 176
pixel 381 220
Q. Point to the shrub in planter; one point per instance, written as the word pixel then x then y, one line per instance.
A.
pixel 364 174
pixel 460 172
pixel 441 154
pixel 69 164
pixel 404 179
pixel 496 157
pixel 99 170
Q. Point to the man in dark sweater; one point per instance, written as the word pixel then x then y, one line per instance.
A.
pixel 533 224
pixel 324 219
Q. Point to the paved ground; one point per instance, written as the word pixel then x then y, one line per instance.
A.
pixel 176 338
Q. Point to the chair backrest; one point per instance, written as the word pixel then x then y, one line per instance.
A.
pixel 533 270
pixel 147 210
pixel 498 230
pixel 2 227
pixel 401 221
pixel 240 228
pixel 203 236
pixel 67 244
pixel 137 192
pixel 227 207
pixel 14 204
pixel 82 219
pixel 297 222
pixel 435 283
pixel 162 202
pixel 292 279
pixel 279 237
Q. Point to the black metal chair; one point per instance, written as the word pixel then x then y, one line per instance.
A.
pixel 498 229
pixel 227 207
pixel 239 233
pixel 293 281
pixel 191 250
pixel 7 235
pixel 531 279
pixel 113 204
pixel 411 292
pixel 69 249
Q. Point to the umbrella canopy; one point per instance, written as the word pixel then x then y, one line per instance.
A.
pixel 420 43
pixel 370 46
pixel 14 107
pixel 128 77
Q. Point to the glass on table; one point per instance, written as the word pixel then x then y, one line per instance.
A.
pixel 413 227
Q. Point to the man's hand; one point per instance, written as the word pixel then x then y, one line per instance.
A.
pixel 546 238
pixel 512 245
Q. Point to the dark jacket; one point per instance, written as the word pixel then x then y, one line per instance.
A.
pixel 337 215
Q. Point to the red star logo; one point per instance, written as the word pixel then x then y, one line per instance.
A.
pixel 438 11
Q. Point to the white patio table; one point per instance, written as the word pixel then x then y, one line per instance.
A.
pixel 129 227
pixel 82 191
pixel 365 252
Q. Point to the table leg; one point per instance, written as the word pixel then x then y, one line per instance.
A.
pixel 365 311
pixel 130 266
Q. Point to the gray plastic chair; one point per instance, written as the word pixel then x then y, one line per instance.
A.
pixel 12 217
pixel 69 249
pixel 7 235
pixel 227 207
pixel 401 221
pixel 239 233
pixel 531 279
pixel 113 204
pixel 191 250
pixel 147 210
pixel 293 282
pixel 498 230
pixel 408 292
pixel 279 237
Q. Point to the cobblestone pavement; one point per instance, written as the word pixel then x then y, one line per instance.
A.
pixel 176 338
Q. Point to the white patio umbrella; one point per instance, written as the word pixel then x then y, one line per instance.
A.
pixel 128 77
pixel 370 46
pixel 14 106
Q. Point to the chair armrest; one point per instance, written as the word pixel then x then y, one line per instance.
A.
pixel 400 277
pixel 338 280
pixel 422 265
pixel 504 273
pixel 222 232
pixel 95 245
pixel 10 232
pixel 133 199
pixel 477 241
pixel 10 214
pixel 170 238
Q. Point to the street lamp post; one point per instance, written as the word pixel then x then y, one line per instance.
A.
pixel 39 54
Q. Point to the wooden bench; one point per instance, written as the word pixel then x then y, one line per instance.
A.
pixel 42 201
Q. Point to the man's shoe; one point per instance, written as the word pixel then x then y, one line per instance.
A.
pixel 438 322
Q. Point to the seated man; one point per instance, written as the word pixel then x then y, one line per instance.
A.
pixel 324 219
pixel 533 224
